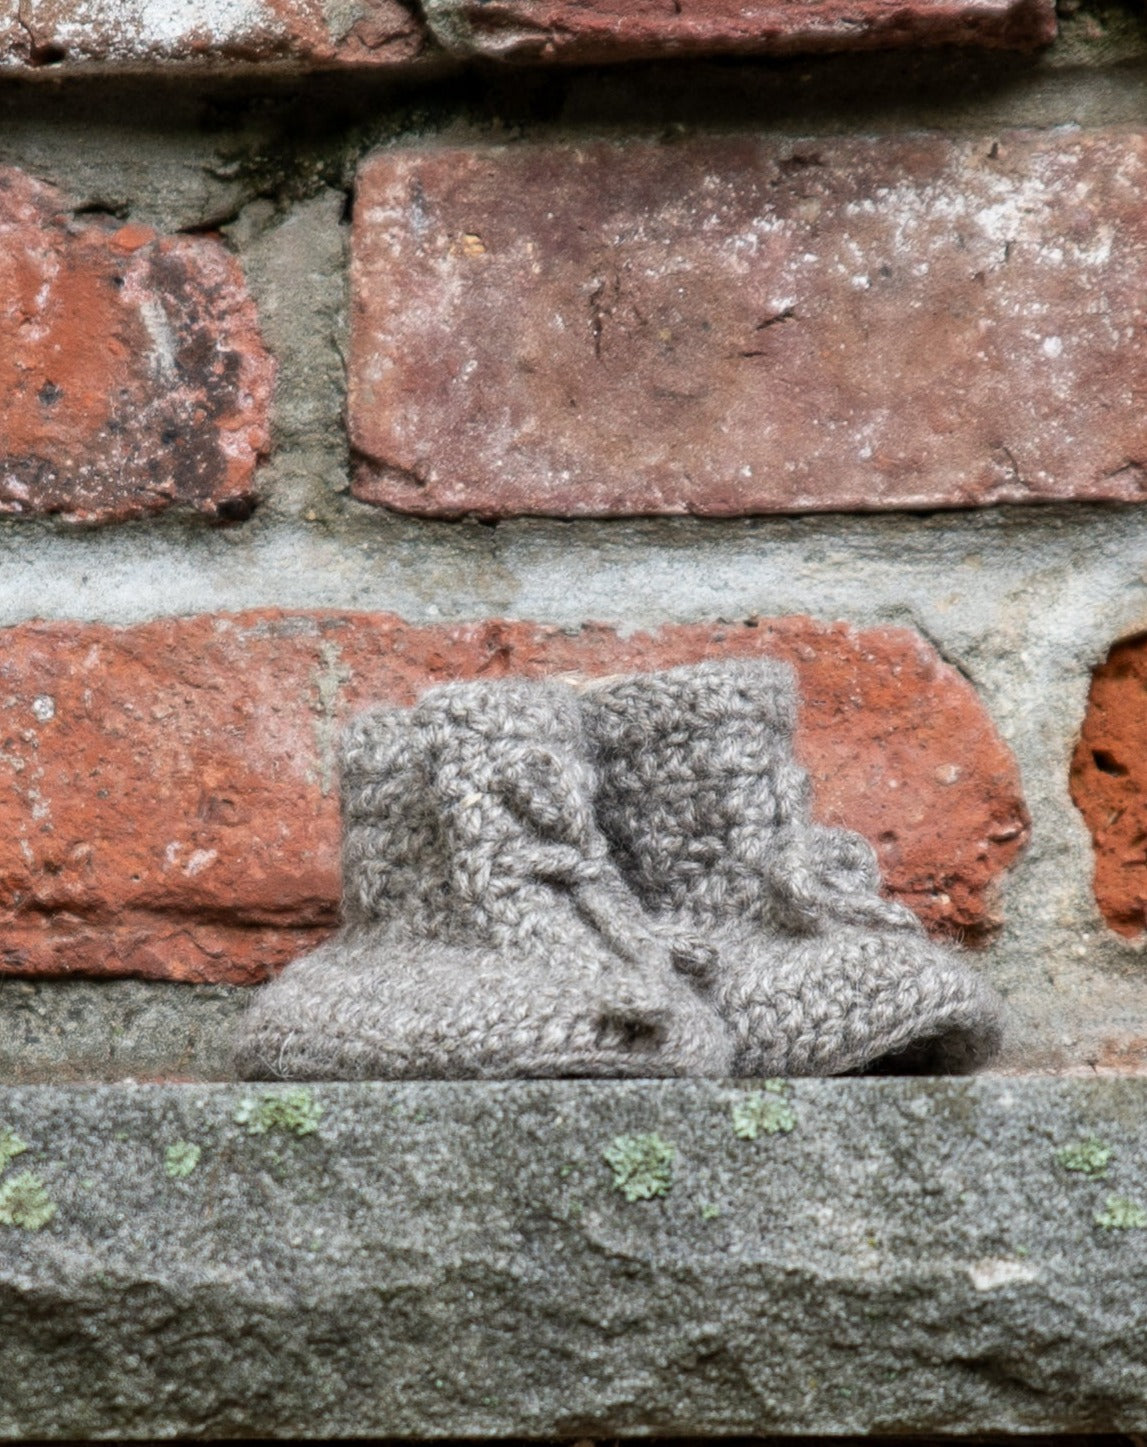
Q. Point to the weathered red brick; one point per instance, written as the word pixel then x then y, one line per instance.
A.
pixel 132 373
pixel 125 35
pixel 1109 784
pixel 168 792
pixel 741 326
pixel 607 30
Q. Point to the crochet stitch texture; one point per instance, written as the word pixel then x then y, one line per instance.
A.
pixel 708 816
pixel 487 932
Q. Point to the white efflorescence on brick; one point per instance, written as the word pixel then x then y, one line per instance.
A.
pixel 151 29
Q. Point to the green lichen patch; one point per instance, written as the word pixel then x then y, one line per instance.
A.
pixel 10 1146
pixel 25 1203
pixel 295 1112
pixel 1088 1158
pixel 1121 1214
pixel 180 1159
pixel 642 1166
pixel 710 1212
pixel 767 1111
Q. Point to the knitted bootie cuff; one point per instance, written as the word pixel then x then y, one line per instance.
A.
pixel 503 710
pixel 696 776
pixel 665 712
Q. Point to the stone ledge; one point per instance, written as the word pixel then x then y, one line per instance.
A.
pixel 444 1260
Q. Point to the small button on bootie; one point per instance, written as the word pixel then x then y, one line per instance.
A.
pixel 487 933
pixel 707 814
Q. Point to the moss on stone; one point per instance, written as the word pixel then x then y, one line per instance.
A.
pixel 1088 1158
pixel 25 1203
pixel 10 1146
pixel 1121 1214
pixel 180 1159
pixel 642 1166
pixel 294 1111
pixel 767 1111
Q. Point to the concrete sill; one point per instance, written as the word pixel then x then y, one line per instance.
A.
pixel 447 1260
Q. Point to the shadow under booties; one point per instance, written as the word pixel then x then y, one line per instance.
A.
pixel 707 814
pixel 487 932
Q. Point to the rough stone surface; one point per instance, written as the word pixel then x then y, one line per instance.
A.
pixel 76 1029
pixel 1109 784
pixel 452 1261
pixel 740 326
pixel 606 30
pixel 54 35
pixel 132 374
pixel 168 793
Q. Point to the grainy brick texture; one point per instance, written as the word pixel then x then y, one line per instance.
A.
pixel 1109 784
pixel 168 792
pixel 740 326
pixel 50 35
pixel 132 374
pixel 606 30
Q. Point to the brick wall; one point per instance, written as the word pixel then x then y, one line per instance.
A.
pixel 349 348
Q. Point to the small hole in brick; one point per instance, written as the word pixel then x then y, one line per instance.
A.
pixel 1107 763
pixel 235 509
pixel 48 55
pixel 49 394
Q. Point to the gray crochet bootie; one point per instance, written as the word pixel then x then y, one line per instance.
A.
pixel 707 813
pixel 487 932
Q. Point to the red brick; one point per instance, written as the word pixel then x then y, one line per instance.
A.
pixel 1109 784
pixel 741 326
pixel 608 30
pixel 168 800
pixel 121 35
pixel 132 374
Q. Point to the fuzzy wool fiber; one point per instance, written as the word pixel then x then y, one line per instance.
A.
pixel 707 814
pixel 487 932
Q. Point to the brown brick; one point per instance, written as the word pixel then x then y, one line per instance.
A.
pixel 742 326
pixel 132 374
pixel 1109 784
pixel 380 32
pixel 13 37
pixel 168 799
pixel 1122 1055
pixel 608 30
pixel 125 34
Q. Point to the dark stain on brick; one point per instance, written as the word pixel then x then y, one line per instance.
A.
pixel 145 385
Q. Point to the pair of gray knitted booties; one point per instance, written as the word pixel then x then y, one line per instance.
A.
pixel 618 881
